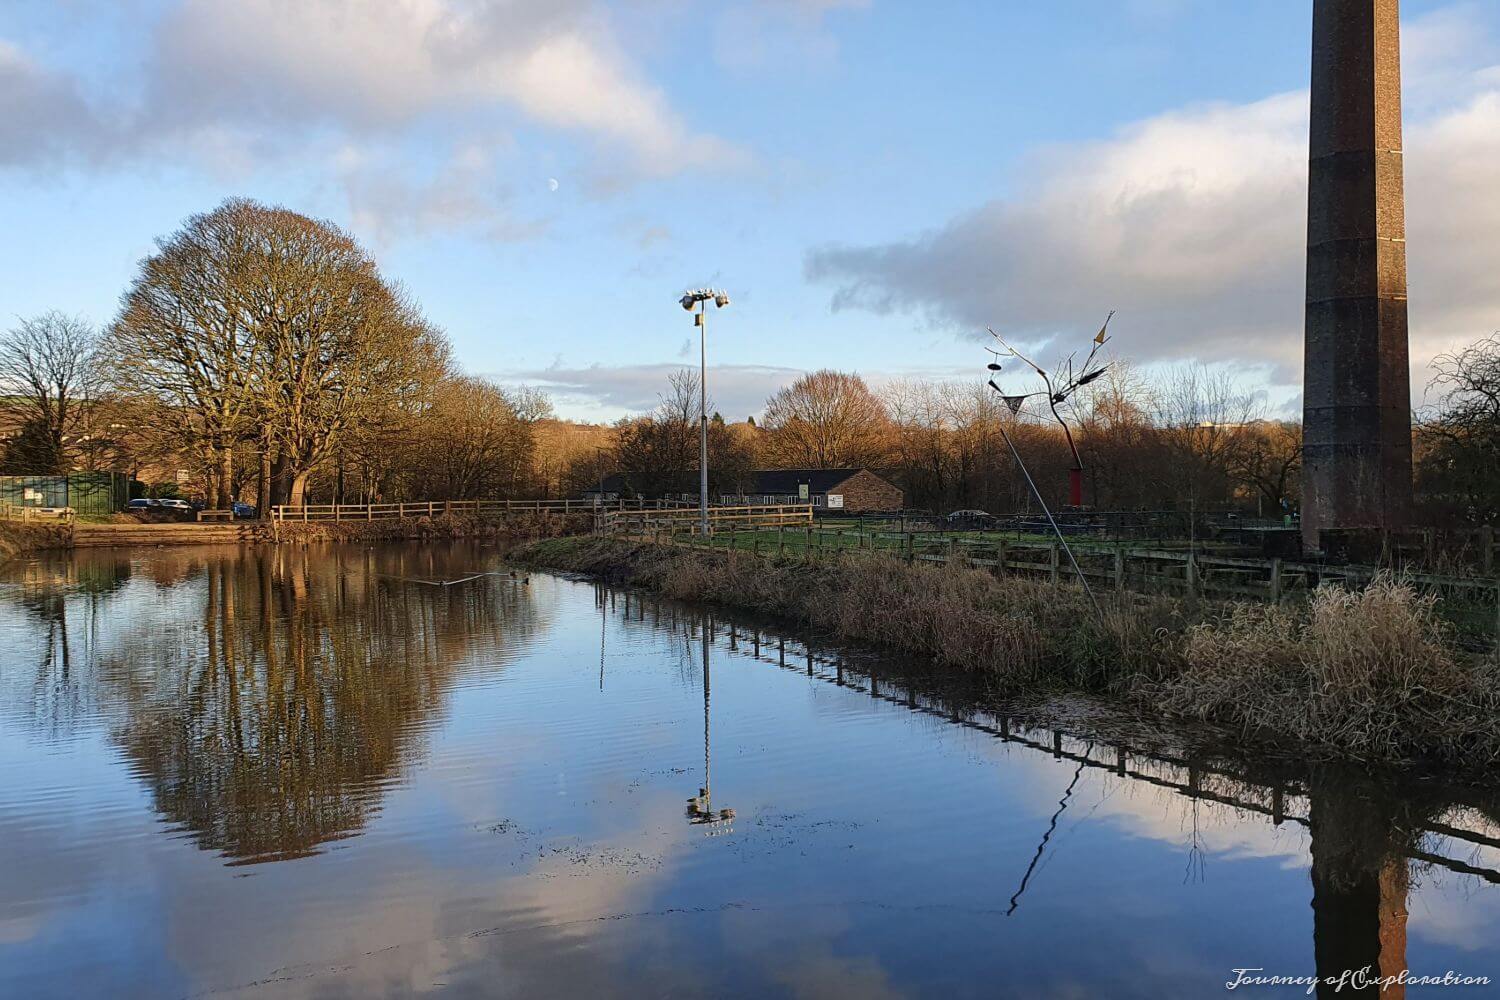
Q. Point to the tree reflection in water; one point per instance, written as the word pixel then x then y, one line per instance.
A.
pixel 304 689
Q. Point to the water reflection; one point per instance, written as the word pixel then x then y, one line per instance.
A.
pixel 515 756
pixel 299 685
pixel 1370 835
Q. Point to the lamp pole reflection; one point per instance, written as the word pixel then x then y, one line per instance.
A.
pixel 700 810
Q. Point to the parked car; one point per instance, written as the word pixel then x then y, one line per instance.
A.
pixel 243 511
pixel 181 506
pixel 972 519
pixel 143 503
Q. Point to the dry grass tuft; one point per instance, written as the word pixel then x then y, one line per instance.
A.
pixel 1373 672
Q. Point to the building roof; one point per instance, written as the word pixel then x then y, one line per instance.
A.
pixel 765 482
pixel 615 482
pixel 786 481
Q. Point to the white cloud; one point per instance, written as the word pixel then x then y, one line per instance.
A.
pixel 607 392
pixel 388 201
pixel 43 116
pixel 758 34
pixel 255 84
pixel 381 66
pixel 1192 224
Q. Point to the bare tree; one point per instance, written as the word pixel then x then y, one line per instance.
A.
pixel 257 323
pixel 333 342
pixel 48 376
pixel 185 336
pixel 1202 416
pixel 1270 459
pixel 826 420
pixel 1459 440
pixel 659 452
pixel 477 440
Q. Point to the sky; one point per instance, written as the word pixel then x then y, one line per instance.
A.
pixel 873 182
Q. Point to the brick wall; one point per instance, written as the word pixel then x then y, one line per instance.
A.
pixel 865 492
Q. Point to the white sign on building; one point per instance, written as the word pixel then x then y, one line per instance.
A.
pixel 835 500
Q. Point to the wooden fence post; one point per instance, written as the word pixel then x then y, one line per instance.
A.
pixel 1275 581
pixel 1120 569
pixel 1000 557
pixel 1054 563
pixel 1190 574
pixel 1497 616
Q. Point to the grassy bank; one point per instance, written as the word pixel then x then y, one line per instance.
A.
pixel 18 539
pixel 522 525
pixel 1370 675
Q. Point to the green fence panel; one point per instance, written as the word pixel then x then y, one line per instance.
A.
pixel 88 493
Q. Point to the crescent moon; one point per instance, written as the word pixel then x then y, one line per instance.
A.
pixel 551 183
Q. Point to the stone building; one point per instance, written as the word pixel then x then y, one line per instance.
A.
pixel 858 491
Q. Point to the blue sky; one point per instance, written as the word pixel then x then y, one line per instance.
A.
pixel 872 181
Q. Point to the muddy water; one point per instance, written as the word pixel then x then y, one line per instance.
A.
pixel 399 770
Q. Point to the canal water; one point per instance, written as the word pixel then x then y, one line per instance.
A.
pixel 387 771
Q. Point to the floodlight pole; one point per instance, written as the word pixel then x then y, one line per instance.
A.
pixel 703 418
pixel 696 302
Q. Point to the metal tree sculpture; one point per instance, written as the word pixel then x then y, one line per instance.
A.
pixel 1060 387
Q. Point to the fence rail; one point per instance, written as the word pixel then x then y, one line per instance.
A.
pixel 437 508
pixel 21 512
pixel 1472 602
pixel 720 519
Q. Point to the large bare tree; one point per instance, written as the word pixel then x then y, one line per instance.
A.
pixel 826 420
pixel 259 324
pixel 185 336
pixel 47 378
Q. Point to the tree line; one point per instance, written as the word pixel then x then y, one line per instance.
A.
pixel 1189 438
pixel 263 352
pixel 264 355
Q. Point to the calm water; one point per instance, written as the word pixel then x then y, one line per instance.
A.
pixel 315 773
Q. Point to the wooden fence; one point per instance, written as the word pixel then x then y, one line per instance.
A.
pixel 720 519
pixel 437 508
pixel 1472 601
pixel 19 512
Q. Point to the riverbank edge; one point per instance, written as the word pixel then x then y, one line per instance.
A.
pixel 528 524
pixel 1371 675
pixel 17 539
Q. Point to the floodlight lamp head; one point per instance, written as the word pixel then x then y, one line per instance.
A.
pixel 688 301
pixel 721 300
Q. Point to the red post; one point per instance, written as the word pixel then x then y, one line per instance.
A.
pixel 1075 486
